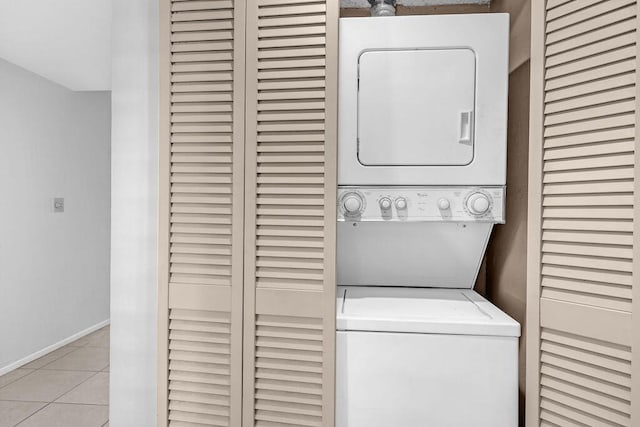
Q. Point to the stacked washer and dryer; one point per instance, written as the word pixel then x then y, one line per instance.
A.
pixel 421 182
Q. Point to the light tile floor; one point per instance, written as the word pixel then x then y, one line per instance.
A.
pixel 68 387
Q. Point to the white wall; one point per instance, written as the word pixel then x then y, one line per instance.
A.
pixel 134 213
pixel 54 267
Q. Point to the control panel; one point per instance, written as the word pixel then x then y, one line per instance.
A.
pixel 451 204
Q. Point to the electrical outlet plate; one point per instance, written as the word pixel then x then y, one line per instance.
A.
pixel 58 204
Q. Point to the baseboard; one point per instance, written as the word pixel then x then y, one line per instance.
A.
pixel 49 349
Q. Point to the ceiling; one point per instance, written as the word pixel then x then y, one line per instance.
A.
pixel 66 41
pixel 69 41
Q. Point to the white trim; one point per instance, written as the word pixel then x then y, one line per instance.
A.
pixel 49 349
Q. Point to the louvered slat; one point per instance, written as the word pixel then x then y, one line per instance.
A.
pixel 199 367
pixel 585 180
pixel 609 163
pixel 291 127
pixel 197 195
pixel 203 75
pixel 280 374
pixel 585 379
pixel 189 195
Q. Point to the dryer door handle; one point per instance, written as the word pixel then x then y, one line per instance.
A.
pixel 466 124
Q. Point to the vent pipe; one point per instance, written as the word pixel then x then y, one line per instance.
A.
pixel 383 7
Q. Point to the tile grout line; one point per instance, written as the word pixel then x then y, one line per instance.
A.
pixel 57 403
pixel 16 425
pixel 73 388
pixel 68 370
pixel 75 370
pixel 54 400
pixel 60 403
pixel 95 373
pixel 42 368
pixel 71 344
pixel 78 404
pixel 55 360
pixel 19 378
pixel 76 347
pixel 33 413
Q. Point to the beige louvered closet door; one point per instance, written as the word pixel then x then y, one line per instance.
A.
pixel 247 227
pixel 290 212
pixel 201 223
pixel 583 345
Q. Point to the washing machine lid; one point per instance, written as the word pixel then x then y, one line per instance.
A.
pixel 421 310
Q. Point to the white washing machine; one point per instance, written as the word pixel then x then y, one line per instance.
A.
pixel 422 159
pixel 410 357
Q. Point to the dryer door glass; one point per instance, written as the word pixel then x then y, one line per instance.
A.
pixel 416 107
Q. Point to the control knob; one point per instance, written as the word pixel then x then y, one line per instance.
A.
pixel 478 203
pixel 401 203
pixel 385 203
pixel 444 204
pixel 352 203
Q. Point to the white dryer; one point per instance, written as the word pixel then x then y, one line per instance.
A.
pixel 422 170
pixel 423 100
